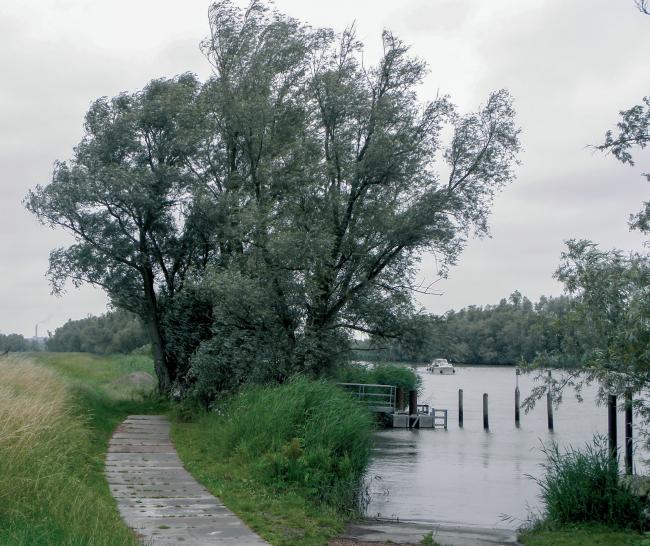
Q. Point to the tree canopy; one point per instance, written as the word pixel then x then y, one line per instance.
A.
pixel 256 220
pixel 610 291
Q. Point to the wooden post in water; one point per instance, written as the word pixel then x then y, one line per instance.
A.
pixel 549 403
pixel 413 407
pixel 611 424
pixel 460 408
pixel 486 420
pixel 517 398
pixel 413 402
pixel 399 402
pixel 517 407
pixel 628 432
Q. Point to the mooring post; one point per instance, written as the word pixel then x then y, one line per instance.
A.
pixel 611 424
pixel 628 432
pixel 460 408
pixel 486 421
pixel 549 403
pixel 413 407
pixel 517 407
pixel 400 399
pixel 517 372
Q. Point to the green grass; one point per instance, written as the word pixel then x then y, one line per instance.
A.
pixel 585 501
pixel 583 536
pixel 57 412
pixel 583 486
pixel 288 460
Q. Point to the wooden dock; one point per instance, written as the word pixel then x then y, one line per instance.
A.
pixel 385 400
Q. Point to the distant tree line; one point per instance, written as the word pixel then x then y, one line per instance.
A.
pixel 113 332
pixel 515 329
pixel 16 343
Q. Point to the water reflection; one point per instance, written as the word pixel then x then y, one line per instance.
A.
pixel 468 475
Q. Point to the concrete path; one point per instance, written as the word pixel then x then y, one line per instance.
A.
pixel 413 533
pixel 158 498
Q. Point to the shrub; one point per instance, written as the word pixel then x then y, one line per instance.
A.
pixel 382 374
pixel 306 435
pixel 585 487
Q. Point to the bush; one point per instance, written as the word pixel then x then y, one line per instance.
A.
pixel 382 374
pixel 305 435
pixel 585 487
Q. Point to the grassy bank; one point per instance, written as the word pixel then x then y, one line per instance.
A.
pixel 57 412
pixel 585 500
pixel 582 536
pixel 287 459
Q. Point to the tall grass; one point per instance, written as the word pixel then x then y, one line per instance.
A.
pixel 584 487
pixel 56 415
pixel 44 497
pixel 304 435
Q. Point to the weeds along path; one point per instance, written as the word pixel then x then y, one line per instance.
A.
pixel 158 498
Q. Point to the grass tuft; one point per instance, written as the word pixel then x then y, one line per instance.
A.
pixel 585 487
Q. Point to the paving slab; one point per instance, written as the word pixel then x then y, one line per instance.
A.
pixel 158 498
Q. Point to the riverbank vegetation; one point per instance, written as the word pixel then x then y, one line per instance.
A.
pixel 288 459
pixel 586 500
pixel 57 413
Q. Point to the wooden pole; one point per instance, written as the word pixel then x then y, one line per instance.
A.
pixel 413 402
pixel 486 420
pixel 628 432
pixel 399 395
pixel 413 407
pixel 549 403
pixel 611 424
pixel 517 407
pixel 460 408
pixel 517 372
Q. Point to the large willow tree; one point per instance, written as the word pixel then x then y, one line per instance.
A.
pixel 296 191
pixel 327 168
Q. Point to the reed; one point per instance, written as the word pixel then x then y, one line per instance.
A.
pixel 52 447
pixel 585 487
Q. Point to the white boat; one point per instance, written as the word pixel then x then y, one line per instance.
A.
pixel 441 366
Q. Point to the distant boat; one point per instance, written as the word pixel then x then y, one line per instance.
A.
pixel 441 366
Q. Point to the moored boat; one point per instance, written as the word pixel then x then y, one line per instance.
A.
pixel 441 366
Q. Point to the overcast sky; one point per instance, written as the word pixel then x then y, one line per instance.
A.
pixel 571 65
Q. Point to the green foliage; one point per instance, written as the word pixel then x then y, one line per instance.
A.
pixel 16 343
pixel 54 430
pixel 132 203
pixel 304 435
pixel 294 191
pixel 113 332
pixel 582 535
pixel 380 374
pixel 584 486
pixel 514 330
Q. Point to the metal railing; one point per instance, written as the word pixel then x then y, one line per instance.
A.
pixel 377 398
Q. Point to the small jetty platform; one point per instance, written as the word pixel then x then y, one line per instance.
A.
pixel 388 400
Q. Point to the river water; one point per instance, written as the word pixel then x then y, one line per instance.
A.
pixel 469 476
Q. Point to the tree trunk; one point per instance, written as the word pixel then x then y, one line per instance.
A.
pixel 159 360
pixel 153 327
